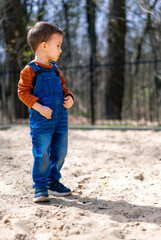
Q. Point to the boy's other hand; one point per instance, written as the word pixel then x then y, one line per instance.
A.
pixel 68 102
pixel 46 112
pixel 43 110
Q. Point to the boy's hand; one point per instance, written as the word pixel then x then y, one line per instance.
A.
pixel 46 112
pixel 68 101
pixel 43 110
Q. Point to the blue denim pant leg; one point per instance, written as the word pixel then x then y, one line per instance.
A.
pixel 41 151
pixel 59 146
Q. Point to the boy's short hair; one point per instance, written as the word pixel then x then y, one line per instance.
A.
pixel 41 32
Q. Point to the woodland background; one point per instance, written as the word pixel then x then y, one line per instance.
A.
pixel 111 57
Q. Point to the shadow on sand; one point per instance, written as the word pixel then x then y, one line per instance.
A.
pixel 120 211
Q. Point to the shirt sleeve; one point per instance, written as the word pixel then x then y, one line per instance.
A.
pixel 66 91
pixel 25 87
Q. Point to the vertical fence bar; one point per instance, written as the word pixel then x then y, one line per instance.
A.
pixel 91 91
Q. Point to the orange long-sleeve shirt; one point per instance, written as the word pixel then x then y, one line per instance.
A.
pixel 25 85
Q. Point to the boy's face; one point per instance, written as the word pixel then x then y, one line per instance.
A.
pixel 53 47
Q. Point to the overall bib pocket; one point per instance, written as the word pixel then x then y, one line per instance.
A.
pixel 52 84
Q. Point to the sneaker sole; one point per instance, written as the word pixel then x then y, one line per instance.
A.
pixel 41 199
pixel 58 194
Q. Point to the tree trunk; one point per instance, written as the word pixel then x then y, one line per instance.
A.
pixel 66 8
pixel 91 20
pixel 15 39
pixel 41 10
pixel 116 58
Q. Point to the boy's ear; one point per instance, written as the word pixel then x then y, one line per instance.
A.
pixel 43 46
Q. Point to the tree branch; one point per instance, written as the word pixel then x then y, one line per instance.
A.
pixel 145 10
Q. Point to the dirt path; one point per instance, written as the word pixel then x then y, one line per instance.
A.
pixel 116 181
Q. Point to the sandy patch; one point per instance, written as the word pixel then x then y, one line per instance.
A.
pixel 115 177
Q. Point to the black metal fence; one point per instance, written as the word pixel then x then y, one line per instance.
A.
pixel 142 92
pixel 141 102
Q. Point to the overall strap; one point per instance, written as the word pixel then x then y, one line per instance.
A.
pixel 36 69
pixel 55 68
pixel 34 66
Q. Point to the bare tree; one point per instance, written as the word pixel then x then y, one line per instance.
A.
pixel 91 20
pixel 15 17
pixel 116 57
pixel 41 10
pixel 14 36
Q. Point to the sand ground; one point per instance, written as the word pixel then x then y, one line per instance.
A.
pixel 116 181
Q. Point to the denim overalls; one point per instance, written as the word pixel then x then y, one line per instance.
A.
pixel 49 136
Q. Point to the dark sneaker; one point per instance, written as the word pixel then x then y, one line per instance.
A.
pixel 41 195
pixel 58 189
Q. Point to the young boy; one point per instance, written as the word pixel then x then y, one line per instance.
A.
pixel 42 89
